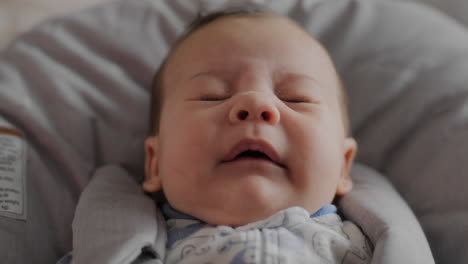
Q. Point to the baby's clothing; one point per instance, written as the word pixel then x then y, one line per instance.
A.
pixel 289 236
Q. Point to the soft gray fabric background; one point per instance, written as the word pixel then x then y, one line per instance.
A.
pixel 457 9
pixel 77 88
pixel 17 16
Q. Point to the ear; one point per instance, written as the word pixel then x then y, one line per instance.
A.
pixel 345 183
pixel 152 181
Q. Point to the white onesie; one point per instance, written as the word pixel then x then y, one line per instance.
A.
pixel 289 236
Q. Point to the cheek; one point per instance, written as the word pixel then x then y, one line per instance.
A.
pixel 315 146
pixel 318 171
pixel 183 144
pixel 182 125
pixel 186 140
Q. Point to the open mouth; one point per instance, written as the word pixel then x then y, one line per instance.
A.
pixel 254 150
pixel 253 154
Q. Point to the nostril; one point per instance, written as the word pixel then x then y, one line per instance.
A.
pixel 266 116
pixel 242 115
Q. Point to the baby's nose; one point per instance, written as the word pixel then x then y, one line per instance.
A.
pixel 254 106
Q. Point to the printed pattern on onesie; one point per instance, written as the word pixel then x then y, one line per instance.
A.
pixel 290 236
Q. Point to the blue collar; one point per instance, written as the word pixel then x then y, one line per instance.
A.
pixel 171 213
pixel 326 209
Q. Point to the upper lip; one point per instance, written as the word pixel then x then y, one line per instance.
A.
pixel 254 145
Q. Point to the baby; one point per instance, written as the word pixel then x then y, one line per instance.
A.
pixel 250 145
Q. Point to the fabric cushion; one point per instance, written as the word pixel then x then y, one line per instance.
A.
pixel 77 89
pixel 375 206
pixel 457 9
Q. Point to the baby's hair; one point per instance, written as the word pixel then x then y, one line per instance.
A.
pixel 203 19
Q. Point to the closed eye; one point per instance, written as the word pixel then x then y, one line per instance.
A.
pixel 213 98
pixel 299 100
pixel 295 101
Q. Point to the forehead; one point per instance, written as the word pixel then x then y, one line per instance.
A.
pixel 242 30
pixel 269 40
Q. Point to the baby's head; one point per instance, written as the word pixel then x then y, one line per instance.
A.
pixel 248 118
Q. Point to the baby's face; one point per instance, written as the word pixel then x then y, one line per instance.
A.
pixel 250 125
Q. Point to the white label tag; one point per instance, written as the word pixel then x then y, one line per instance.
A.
pixel 12 174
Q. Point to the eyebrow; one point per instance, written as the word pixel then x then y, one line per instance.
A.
pixel 288 75
pixel 210 73
pixel 294 75
pixel 285 77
